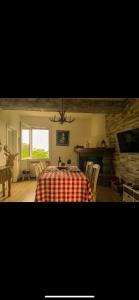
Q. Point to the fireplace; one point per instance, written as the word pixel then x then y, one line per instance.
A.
pixel 96 160
pixel 101 156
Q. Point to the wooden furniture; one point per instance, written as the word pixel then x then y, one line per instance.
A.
pixel 130 194
pixel 43 167
pixel 88 169
pixel 38 170
pixel 94 178
pixel 101 156
pixel 5 175
pixel 44 164
pixel 26 174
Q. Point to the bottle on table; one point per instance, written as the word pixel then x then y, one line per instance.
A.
pixel 59 162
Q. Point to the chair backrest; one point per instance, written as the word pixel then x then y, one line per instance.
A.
pixel 45 163
pixel 88 170
pixel 42 165
pixel 94 177
pixel 38 170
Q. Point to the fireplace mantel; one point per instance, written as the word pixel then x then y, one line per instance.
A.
pixel 102 156
pixel 98 150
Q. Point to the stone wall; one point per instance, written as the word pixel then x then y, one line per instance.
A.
pixel 126 164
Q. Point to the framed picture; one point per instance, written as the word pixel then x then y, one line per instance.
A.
pixel 62 138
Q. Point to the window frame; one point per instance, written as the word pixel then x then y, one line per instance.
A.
pixel 24 158
pixel 30 128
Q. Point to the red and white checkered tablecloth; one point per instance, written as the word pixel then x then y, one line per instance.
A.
pixel 63 186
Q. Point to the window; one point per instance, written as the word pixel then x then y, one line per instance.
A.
pixel 40 141
pixel 25 143
pixel 35 143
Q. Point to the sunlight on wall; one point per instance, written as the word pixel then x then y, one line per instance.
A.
pixel 83 130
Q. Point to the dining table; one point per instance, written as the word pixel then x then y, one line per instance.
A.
pixel 63 185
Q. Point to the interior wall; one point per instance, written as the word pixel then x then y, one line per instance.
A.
pixel 90 129
pixel 82 130
pixel 126 164
pixel 98 130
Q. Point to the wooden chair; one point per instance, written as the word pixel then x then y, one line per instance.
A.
pixel 88 170
pixel 26 175
pixel 42 166
pixel 38 170
pixel 46 163
pixel 94 179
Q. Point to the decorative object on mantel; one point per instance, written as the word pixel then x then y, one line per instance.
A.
pixel 63 118
pixel 103 144
pixel 87 144
pixel 78 147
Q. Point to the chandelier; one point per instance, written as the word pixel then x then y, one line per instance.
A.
pixel 63 118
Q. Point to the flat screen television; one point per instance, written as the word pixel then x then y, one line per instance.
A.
pixel 129 141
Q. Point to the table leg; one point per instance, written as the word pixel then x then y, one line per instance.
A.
pixel 9 187
pixel 3 187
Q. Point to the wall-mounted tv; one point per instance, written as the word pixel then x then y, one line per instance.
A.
pixel 129 141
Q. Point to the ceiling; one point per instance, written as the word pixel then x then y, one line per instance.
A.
pixel 48 114
pixel 75 105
